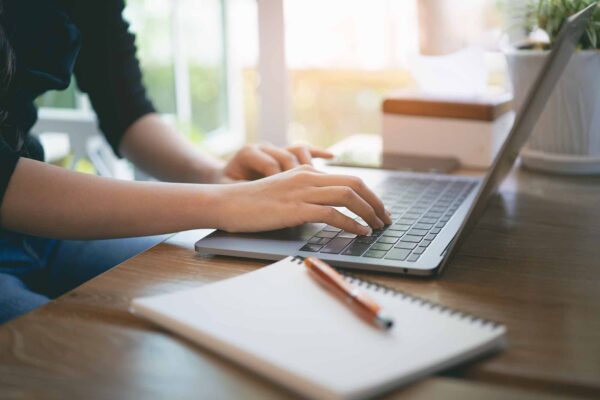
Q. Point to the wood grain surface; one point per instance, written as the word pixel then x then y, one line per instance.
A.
pixel 532 263
pixel 446 109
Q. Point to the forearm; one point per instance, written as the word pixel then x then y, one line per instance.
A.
pixel 48 201
pixel 159 150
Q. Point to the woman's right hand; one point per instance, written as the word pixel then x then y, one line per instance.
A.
pixel 295 197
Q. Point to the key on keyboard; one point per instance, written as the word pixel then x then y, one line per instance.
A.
pixel 420 207
pixel 336 245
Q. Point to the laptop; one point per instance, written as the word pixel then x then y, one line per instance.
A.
pixel 432 213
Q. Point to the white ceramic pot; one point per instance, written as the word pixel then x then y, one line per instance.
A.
pixel 566 138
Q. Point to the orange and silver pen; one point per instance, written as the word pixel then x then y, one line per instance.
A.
pixel 357 299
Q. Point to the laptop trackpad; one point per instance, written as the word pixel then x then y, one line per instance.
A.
pixel 302 233
pixel 279 242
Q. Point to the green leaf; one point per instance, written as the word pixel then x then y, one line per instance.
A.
pixel 550 15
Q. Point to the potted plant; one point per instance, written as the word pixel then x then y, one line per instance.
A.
pixel 566 138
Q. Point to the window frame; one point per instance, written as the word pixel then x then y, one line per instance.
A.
pixel 273 90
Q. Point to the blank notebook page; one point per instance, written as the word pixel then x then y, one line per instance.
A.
pixel 279 322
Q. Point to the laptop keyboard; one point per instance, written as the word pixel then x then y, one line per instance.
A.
pixel 420 209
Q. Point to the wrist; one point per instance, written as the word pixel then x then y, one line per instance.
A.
pixel 217 175
pixel 206 171
pixel 207 208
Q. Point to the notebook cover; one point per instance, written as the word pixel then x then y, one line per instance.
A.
pixel 278 322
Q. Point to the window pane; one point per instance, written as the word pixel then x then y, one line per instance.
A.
pixel 204 49
pixel 345 56
pixel 151 22
pixel 342 67
pixel 242 25
pixel 181 49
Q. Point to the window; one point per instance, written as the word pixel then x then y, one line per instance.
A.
pixel 354 52
pixel 200 60
pixel 345 56
pixel 182 50
pixel 151 20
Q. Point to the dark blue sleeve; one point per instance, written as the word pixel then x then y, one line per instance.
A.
pixel 8 163
pixel 31 148
pixel 107 68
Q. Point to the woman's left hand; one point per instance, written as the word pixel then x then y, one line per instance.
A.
pixel 259 160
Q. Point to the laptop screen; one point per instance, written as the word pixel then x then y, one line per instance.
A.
pixel 526 118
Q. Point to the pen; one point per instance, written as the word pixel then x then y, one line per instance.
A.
pixel 354 297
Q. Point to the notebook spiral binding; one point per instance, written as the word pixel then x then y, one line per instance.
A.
pixel 413 299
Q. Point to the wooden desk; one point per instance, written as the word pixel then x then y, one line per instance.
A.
pixel 532 263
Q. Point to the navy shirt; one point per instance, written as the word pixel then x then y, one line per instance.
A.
pixel 54 40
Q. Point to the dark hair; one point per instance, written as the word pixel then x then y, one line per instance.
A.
pixel 8 130
pixel 7 70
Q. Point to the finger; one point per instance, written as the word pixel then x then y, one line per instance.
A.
pixel 320 153
pixel 285 159
pixel 302 153
pixel 346 197
pixel 310 168
pixel 260 162
pixel 359 187
pixel 331 216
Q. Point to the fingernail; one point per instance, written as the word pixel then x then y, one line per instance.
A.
pixel 388 219
pixel 380 224
pixel 367 231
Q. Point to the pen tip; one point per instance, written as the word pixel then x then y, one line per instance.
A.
pixel 385 323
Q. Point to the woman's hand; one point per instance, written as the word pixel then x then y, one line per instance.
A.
pixel 260 160
pixel 295 197
pixel 108 208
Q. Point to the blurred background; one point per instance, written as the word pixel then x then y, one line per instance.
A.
pixel 227 72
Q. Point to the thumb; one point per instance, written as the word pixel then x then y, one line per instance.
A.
pixel 321 153
pixel 262 163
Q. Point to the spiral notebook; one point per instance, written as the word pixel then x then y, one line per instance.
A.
pixel 278 322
